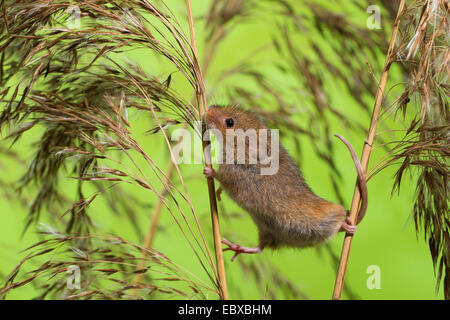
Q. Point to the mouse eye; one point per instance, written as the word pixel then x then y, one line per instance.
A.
pixel 229 122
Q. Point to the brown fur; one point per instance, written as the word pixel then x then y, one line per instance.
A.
pixel 285 210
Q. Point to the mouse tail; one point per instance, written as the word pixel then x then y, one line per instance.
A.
pixel 361 179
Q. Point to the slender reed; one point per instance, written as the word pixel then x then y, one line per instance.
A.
pixel 339 284
pixel 217 34
pixel 201 99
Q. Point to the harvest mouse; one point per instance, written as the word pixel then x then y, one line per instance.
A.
pixel 285 210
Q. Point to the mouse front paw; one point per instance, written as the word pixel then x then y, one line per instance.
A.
pixel 209 172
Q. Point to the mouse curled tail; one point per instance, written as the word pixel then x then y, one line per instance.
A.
pixel 361 179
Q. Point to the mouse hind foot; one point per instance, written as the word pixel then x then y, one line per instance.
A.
pixel 238 249
pixel 348 227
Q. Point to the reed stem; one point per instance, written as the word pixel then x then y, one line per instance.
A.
pixel 148 240
pixel 365 157
pixel 201 99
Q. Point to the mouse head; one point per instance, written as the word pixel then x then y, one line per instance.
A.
pixel 241 133
pixel 225 118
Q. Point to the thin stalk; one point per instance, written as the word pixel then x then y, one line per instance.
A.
pixel 365 157
pixel 201 99
pixel 148 240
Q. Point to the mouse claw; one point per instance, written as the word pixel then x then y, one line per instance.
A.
pixel 209 172
pixel 348 227
pixel 231 246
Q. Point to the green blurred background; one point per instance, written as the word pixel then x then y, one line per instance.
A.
pixel 386 238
